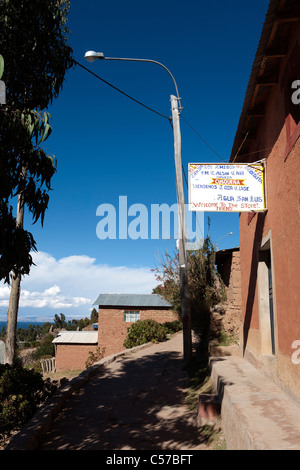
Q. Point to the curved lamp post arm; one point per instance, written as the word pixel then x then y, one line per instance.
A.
pixel 153 62
pixel 91 56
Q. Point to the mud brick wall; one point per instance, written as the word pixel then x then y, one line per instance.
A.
pixel 112 329
pixel 73 356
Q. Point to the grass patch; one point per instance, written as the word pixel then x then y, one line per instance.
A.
pixel 227 339
pixel 214 436
pixel 67 375
pixel 200 382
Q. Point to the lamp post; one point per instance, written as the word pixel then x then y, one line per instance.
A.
pixel 230 233
pixel 175 106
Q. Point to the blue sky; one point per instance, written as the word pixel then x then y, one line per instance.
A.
pixel 108 146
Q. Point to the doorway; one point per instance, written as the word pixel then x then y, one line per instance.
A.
pixel 266 300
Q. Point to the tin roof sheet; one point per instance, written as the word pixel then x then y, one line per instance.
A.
pixel 131 300
pixel 77 337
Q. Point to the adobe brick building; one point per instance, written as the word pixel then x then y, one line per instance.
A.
pixel 72 349
pixel 268 130
pixel 118 311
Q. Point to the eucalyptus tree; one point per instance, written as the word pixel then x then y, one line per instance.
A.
pixel 35 55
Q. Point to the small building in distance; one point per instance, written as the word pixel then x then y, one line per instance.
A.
pixel 118 311
pixel 72 349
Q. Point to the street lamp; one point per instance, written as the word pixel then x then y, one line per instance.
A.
pixel 90 56
pixel 230 233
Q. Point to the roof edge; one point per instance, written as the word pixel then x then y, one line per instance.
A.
pixel 132 300
pixel 264 38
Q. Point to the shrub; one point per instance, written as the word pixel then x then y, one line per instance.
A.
pixel 173 326
pixel 94 357
pixel 21 392
pixel 45 347
pixel 206 288
pixel 144 331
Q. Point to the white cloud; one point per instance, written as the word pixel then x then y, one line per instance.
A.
pixel 74 283
pixel 4 293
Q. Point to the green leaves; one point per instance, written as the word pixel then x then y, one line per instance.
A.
pixel 144 331
pixel 46 133
pixel 22 391
pixel 34 74
pixel 36 123
pixel 15 245
pixel 205 286
pixel 34 68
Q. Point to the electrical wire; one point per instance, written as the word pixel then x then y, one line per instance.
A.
pixel 244 139
pixel 203 140
pixel 122 92
pixel 256 151
pixel 243 155
pixel 147 107
pixel 169 119
pixel 156 112
pixel 187 185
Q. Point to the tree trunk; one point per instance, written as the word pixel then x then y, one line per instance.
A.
pixel 12 314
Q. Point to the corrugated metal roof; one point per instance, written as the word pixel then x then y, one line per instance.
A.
pixel 131 300
pixel 77 337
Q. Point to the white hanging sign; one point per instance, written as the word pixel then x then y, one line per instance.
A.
pixel 226 188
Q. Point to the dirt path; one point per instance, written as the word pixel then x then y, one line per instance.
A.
pixel 137 403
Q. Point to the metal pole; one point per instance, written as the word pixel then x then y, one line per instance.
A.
pixel 184 293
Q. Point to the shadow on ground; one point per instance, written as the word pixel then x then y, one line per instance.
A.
pixel 136 403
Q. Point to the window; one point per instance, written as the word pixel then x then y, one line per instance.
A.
pixel 131 315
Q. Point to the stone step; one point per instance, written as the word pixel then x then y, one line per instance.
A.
pixel 256 413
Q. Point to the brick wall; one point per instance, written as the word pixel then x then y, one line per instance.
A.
pixel 72 356
pixel 112 329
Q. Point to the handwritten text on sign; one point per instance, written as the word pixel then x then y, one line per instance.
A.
pixel 226 188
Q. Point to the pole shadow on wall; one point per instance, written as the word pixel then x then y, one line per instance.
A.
pixel 253 277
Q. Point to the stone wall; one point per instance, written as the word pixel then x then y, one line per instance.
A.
pixel 229 313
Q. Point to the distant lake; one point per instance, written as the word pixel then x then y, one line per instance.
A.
pixel 23 324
